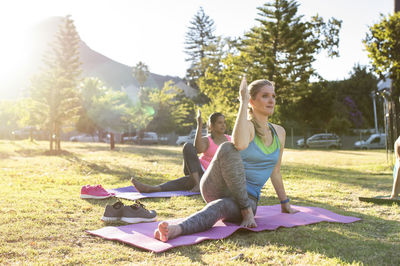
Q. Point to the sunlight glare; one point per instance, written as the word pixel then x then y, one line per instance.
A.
pixel 13 54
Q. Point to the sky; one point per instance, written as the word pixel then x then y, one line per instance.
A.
pixel 153 31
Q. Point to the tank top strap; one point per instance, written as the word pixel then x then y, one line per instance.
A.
pixel 275 134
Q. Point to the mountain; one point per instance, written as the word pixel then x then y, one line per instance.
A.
pixel 116 75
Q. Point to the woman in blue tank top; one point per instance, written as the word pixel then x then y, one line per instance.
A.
pixel 232 183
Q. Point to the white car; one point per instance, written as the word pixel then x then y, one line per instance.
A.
pixel 375 141
pixel 148 138
pixel 189 138
pixel 84 138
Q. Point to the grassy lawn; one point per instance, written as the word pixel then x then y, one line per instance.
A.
pixel 43 220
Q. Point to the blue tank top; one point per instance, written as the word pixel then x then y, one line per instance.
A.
pixel 258 165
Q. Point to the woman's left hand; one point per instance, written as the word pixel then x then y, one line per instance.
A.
pixel 286 208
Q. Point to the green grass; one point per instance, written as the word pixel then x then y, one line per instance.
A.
pixel 43 220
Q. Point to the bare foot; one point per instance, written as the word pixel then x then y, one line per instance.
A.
pixel 166 231
pixel 248 218
pixel 143 187
pixel 196 188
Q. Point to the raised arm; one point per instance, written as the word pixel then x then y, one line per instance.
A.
pixel 243 131
pixel 276 176
pixel 200 143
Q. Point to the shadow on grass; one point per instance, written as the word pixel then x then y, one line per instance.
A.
pixel 123 173
pixel 364 242
pixel 345 176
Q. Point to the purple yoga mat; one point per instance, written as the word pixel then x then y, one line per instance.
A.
pixel 267 218
pixel 131 193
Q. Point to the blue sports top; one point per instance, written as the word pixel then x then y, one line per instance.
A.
pixel 259 165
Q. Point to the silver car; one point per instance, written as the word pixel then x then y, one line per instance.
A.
pixel 147 138
pixel 323 140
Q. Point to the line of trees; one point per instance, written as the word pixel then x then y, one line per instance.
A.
pixel 281 47
pixel 383 46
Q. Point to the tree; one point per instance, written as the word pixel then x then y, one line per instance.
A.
pixel 9 117
pixel 111 111
pixel 383 45
pixel 142 112
pixel 283 48
pixel 91 89
pixel 351 98
pixel 313 110
pixel 103 109
pixel 173 110
pixel 141 73
pixel 338 125
pixel 55 90
pixel 201 47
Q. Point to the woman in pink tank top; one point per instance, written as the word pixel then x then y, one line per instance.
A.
pixel 207 156
pixel 194 167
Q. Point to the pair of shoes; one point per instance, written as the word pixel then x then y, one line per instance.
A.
pixel 95 192
pixel 136 213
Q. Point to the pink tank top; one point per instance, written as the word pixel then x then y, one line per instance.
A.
pixel 207 156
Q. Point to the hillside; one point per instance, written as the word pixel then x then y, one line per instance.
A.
pixel 94 64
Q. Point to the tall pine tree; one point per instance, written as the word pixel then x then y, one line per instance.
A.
pixel 201 47
pixel 283 47
pixel 55 89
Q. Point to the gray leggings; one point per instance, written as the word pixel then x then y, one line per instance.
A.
pixel 191 164
pixel 223 187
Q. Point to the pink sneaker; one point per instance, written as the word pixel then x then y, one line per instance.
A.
pixel 95 192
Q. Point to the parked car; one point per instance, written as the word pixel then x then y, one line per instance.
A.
pixel 85 138
pixel 323 140
pixel 190 138
pixel 147 138
pixel 24 133
pixel 375 141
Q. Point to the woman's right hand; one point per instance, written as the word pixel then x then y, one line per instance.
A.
pixel 198 118
pixel 286 208
pixel 243 90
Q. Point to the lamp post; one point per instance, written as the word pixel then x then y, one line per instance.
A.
pixel 373 94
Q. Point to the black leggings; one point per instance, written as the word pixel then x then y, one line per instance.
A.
pixel 191 164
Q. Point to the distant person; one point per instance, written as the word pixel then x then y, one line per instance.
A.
pixel 232 184
pixel 396 170
pixel 193 166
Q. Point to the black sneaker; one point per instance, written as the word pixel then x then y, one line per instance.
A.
pixel 113 212
pixel 137 213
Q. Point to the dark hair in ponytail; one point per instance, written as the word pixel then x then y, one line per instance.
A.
pixel 212 119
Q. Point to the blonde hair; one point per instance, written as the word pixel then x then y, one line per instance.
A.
pixel 254 88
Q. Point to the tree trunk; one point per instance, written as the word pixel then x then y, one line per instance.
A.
pixel 58 140
pixel 112 143
pixel 51 140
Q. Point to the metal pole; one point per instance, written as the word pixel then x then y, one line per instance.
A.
pixel 375 119
pixel 385 118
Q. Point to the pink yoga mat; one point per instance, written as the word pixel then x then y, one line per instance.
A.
pixel 267 218
pixel 131 193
